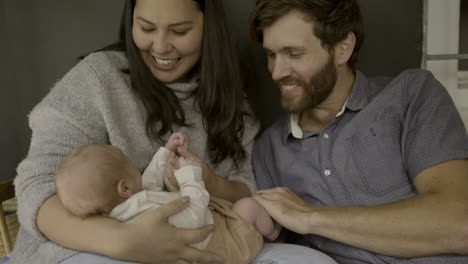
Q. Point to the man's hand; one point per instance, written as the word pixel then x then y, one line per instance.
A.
pixel 286 208
pixel 151 239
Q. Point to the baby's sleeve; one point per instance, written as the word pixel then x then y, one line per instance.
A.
pixel 153 174
pixel 192 185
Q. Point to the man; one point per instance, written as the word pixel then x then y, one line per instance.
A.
pixel 367 170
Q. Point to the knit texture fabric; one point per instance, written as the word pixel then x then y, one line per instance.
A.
pixel 94 103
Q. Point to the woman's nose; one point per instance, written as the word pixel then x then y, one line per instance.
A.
pixel 161 44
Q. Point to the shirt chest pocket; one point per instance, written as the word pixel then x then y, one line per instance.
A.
pixel 376 155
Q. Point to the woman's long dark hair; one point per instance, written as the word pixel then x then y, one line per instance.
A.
pixel 220 96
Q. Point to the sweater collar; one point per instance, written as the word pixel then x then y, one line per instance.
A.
pixel 184 90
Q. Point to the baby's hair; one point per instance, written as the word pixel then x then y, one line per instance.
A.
pixel 87 178
pixel 85 153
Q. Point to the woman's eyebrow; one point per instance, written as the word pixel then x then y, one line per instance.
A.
pixel 181 23
pixel 170 25
pixel 144 20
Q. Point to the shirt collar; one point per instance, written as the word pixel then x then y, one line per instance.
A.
pixel 359 96
pixel 296 130
pixel 357 99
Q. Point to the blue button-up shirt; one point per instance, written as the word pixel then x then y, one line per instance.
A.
pixel 390 131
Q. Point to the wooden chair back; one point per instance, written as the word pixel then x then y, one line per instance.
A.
pixel 7 191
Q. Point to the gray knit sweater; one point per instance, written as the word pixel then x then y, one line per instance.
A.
pixel 94 103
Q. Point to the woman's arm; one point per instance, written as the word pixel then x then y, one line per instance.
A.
pixel 94 234
pixel 216 185
pixel 149 239
pixel 67 118
pixel 239 181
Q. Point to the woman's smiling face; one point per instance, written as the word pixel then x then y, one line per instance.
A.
pixel 169 35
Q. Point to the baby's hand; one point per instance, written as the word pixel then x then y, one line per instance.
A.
pixel 187 162
pixel 177 139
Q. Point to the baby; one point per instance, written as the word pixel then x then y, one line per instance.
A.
pixel 100 179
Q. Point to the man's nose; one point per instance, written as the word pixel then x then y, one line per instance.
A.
pixel 279 69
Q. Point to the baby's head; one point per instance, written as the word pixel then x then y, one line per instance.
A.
pixel 95 178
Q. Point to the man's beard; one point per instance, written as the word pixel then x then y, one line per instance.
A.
pixel 316 90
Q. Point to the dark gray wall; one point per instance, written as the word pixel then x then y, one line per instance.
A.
pixel 40 41
pixel 393 36
pixel 17 81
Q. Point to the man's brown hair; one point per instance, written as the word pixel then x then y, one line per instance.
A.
pixel 333 20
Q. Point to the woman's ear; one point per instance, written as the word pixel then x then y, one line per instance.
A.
pixel 123 189
pixel 344 49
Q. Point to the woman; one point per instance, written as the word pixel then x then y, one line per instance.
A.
pixel 173 70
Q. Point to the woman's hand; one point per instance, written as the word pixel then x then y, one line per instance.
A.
pixel 147 239
pixel 151 239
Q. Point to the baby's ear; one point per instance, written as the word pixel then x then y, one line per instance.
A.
pixel 123 189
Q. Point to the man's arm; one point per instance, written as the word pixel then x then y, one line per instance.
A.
pixel 432 223
pixel 216 185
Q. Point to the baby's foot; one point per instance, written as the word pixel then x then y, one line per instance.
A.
pixel 273 235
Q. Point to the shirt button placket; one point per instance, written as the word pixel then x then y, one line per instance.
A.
pixel 326 136
pixel 326 144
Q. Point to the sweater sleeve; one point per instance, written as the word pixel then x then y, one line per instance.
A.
pixel 66 118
